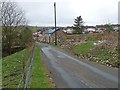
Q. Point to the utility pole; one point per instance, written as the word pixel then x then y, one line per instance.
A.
pixel 49 39
pixel 37 33
pixel 55 23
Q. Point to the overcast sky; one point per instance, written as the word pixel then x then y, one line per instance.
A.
pixel 41 12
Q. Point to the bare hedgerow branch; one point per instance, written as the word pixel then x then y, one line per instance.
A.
pixel 12 18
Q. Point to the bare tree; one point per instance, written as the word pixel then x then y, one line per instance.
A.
pixel 12 17
pixel 14 30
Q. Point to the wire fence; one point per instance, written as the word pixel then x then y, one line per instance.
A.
pixel 27 72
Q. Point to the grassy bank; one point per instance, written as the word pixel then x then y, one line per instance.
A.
pixel 12 68
pixel 39 77
pixel 83 48
pixel 102 56
pixel 98 47
pixel 0 74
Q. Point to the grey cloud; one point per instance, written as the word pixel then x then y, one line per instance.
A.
pixel 42 13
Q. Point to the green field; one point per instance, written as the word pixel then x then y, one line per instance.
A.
pixel 39 77
pixel 12 68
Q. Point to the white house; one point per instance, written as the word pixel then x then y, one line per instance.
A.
pixel 116 27
pixel 89 29
pixel 68 30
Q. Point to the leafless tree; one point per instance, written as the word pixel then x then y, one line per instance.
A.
pixel 12 17
pixel 12 21
pixel 15 30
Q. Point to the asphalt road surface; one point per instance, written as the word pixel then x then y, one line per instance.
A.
pixel 70 72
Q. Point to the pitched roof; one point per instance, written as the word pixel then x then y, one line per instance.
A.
pixel 51 31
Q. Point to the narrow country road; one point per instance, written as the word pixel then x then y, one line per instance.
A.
pixel 69 72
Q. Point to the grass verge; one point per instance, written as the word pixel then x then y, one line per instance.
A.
pixel 39 77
